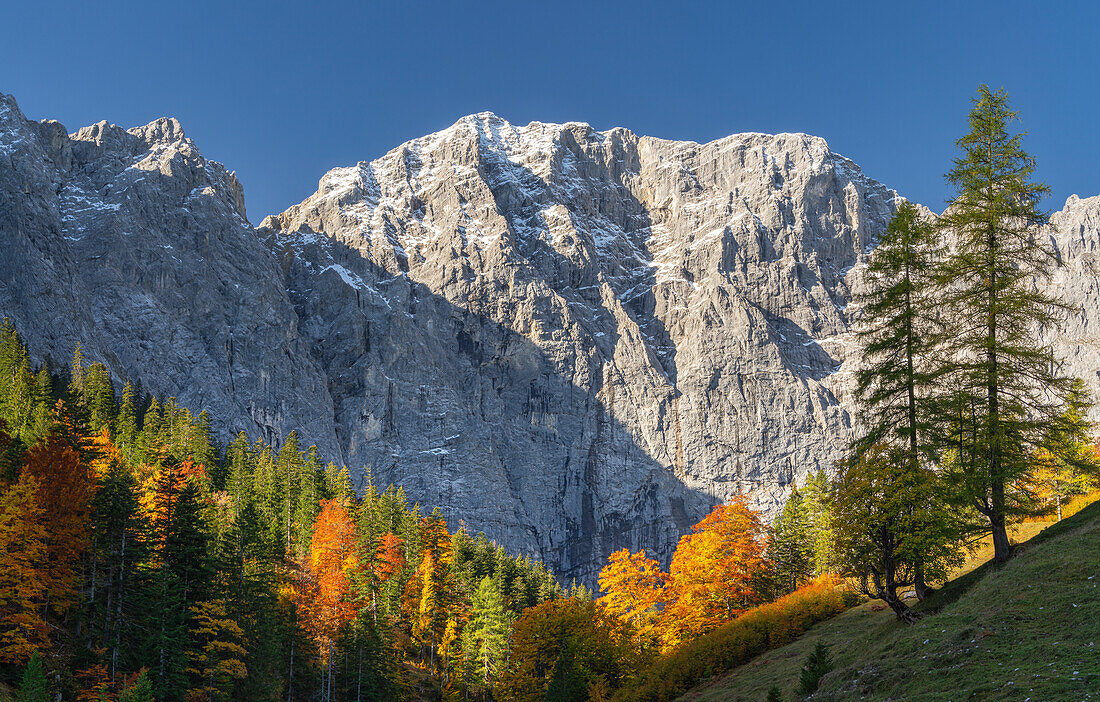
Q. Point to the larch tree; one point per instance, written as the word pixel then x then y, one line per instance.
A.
pixel 901 333
pixel 1007 388
pixel 489 629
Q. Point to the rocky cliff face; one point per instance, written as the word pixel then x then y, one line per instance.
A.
pixel 133 243
pixel 573 340
pixel 582 340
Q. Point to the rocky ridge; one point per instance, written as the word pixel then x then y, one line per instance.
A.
pixel 573 340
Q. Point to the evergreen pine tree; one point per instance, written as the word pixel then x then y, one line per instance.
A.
pixel 791 548
pixel 141 690
pixel 818 664
pixel 774 695
pixel 33 686
pixel 99 398
pixel 126 424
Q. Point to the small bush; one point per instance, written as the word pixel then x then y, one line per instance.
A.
pixel 757 630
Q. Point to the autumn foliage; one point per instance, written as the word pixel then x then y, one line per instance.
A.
pixel 23 575
pixel 715 575
pixel 757 630
pixel 325 595
pixel 569 644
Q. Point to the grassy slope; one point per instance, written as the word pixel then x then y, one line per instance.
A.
pixel 1028 630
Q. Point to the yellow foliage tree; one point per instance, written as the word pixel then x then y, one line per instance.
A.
pixel 217 655
pixel 23 582
pixel 714 573
pixel 633 587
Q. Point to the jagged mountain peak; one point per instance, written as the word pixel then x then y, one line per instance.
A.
pixel 574 340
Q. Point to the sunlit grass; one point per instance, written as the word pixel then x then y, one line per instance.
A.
pixel 1030 629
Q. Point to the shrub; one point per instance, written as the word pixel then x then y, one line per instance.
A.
pixel 760 629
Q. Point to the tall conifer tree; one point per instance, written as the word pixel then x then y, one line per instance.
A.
pixel 1007 390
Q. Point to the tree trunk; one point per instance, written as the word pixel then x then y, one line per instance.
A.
pixel 919 585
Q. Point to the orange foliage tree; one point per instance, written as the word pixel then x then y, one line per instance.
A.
pixel 325 596
pixel 66 485
pixel 634 588
pixel 380 563
pixel 22 571
pixel 714 572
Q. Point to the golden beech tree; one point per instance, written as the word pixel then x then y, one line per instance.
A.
pixel 22 571
pixel 66 485
pixel 325 596
pixel 634 587
pixel 714 572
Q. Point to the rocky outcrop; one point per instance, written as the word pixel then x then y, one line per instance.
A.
pixel 134 244
pixel 572 340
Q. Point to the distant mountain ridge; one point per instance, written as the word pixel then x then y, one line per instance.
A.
pixel 572 340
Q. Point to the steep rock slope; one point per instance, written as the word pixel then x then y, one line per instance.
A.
pixel 582 340
pixel 133 243
pixel 574 340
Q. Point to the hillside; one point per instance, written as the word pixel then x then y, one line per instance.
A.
pixel 1029 630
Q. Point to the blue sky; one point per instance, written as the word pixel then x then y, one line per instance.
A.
pixel 281 92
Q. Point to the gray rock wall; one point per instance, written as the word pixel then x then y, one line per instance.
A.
pixel 572 340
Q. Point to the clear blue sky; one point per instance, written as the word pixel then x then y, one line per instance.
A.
pixel 281 92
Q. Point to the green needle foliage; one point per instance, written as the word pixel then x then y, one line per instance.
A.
pixel 33 687
pixel 1006 391
pixel 818 664
pixel 900 335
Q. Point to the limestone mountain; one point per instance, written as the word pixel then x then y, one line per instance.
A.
pixel 570 339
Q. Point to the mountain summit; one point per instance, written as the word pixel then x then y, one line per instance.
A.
pixel 574 340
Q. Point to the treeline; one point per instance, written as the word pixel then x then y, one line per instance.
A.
pixel 140 561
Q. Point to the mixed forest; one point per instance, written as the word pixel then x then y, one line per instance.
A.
pixel 140 560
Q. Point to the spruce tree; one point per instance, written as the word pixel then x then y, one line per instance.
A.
pixel 33 686
pixel 818 663
pixel 99 397
pixel 790 549
pixel 126 424
pixel 140 691
pixel 1007 390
